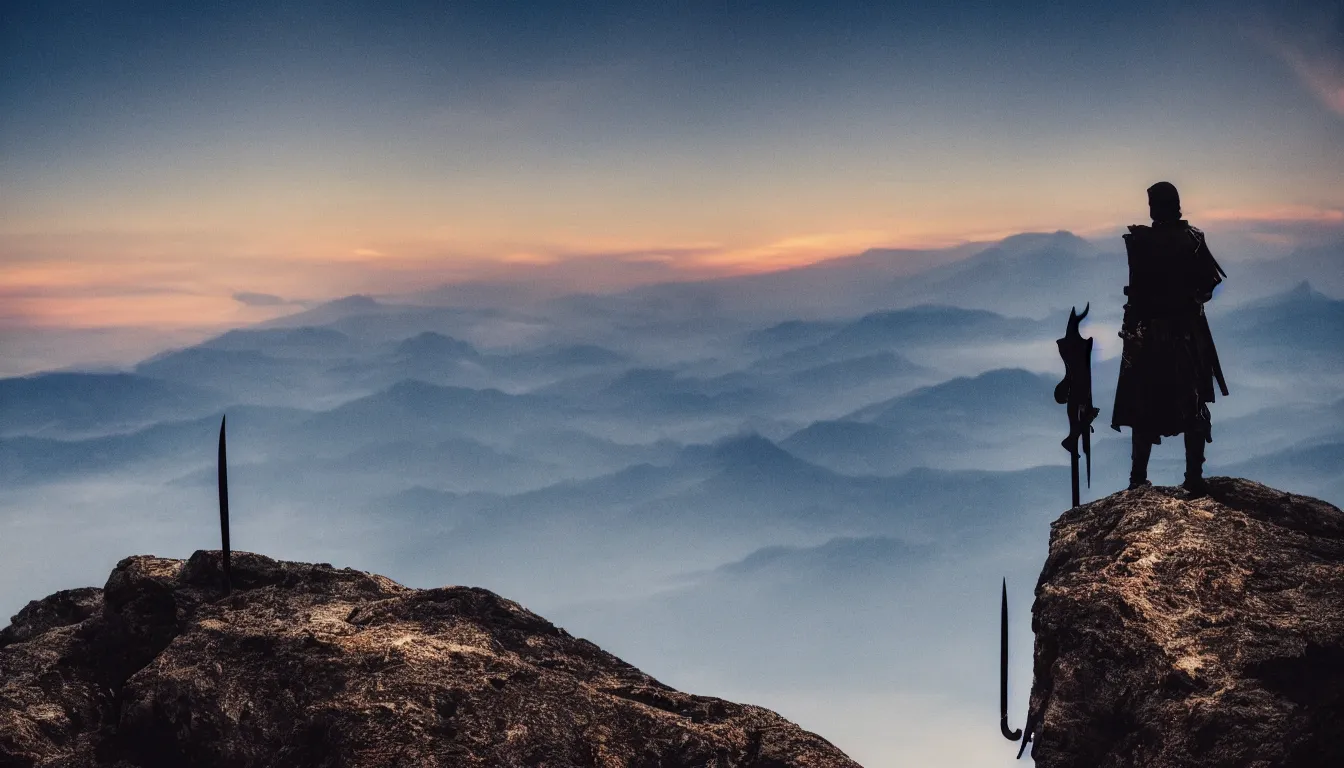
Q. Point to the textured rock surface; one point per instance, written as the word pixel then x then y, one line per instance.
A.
pixel 1192 633
pixel 307 665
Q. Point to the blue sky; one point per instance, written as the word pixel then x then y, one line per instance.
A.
pixel 191 152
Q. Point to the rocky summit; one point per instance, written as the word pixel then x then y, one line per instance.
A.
pixel 1197 633
pixel 309 665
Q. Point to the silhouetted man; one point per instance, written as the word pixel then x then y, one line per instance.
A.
pixel 1169 363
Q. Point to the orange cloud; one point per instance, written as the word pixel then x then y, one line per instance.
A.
pixel 525 257
pixel 1282 213
pixel 162 310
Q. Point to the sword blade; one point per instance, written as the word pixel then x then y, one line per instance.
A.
pixel 224 504
pixel 1011 735
pixel 1073 470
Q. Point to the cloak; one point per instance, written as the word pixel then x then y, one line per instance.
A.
pixel 1169 363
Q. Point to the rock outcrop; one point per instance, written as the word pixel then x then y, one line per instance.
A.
pixel 309 665
pixel 1193 633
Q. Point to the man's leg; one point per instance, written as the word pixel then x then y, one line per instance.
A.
pixel 1195 437
pixel 1142 444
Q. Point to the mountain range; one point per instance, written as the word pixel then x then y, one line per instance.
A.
pixel 846 455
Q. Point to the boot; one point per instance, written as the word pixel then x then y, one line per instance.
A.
pixel 1142 449
pixel 1194 463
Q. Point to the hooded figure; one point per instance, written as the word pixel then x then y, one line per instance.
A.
pixel 1169 364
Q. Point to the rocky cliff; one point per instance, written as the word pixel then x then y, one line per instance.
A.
pixel 1192 633
pixel 309 665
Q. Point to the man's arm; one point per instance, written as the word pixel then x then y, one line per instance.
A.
pixel 1209 274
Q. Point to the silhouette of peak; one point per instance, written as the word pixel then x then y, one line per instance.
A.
pixel 1302 290
pixel 354 302
pixel 313 332
pixel 1297 296
pixel 838 555
pixel 1030 241
pixel 752 450
pixel 1007 382
pixel 306 334
pixel 414 389
pixel 999 390
pixel 437 344
pixel 1035 238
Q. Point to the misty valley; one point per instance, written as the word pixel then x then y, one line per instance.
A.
pixel 748 487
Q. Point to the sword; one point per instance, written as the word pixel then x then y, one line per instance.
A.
pixel 1011 735
pixel 224 506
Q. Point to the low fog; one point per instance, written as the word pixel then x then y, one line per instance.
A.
pixel 797 490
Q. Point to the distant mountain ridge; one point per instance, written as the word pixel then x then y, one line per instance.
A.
pixel 70 404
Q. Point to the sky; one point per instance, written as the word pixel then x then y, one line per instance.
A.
pixel 168 164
